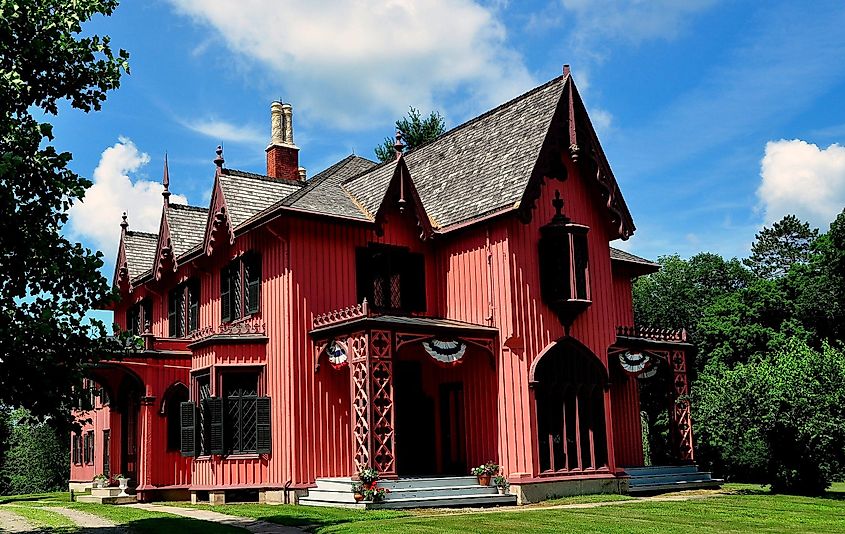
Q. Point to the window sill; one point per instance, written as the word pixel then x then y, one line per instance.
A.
pixel 239 456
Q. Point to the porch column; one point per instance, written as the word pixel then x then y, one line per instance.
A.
pixel 371 371
pixel 145 467
pixel 680 410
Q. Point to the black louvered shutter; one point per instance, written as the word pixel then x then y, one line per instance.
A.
pixel 214 407
pixel 413 282
pixel 188 423
pixel 252 279
pixel 74 445
pixel 132 320
pixel 193 304
pixel 225 296
pixel 364 280
pixel 237 290
pixel 263 425
pixel 171 313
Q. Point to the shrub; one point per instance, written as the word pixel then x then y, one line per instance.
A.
pixel 778 419
pixel 36 459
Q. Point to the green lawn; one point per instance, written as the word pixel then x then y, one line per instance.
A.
pixel 741 508
pixel 43 518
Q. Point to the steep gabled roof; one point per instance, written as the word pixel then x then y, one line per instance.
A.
pixel 640 265
pixel 187 227
pixel 246 194
pixel 324 193
pixel 140 249
pixel 476 168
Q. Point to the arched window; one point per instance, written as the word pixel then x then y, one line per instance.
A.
pixel 569 384
pixel 173 398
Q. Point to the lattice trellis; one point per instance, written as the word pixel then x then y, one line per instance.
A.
pixel 382 408
pixel 681 418
pixel 360 376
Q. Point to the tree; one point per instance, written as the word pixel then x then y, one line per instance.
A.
pixel 415 130
pixel 779 419
pixel 788 242
pixel 47 283
pixel 36 459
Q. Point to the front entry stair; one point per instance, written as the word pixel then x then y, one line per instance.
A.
pixel 661 479
pixel 106 496
pixel 435 492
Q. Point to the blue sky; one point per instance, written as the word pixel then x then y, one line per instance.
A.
pixel 717 117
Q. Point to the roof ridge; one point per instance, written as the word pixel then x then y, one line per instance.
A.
pixel 188 207
pixel 465 124
pixel 263 177
pixel 143 234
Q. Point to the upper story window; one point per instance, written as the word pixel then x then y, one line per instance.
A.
pixel 183 308
pixel 240 288
pixel 139 317
pixel 391 278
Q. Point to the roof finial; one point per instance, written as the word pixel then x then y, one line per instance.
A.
pixel 219 159
pixel 124 224
pixel 557 202
pixel 165 181
pixel 398 146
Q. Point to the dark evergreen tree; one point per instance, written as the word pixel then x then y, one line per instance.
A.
pixel 415 130
pixel 787 242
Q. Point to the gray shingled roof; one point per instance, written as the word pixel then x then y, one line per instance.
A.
pixel 187 227
pixel 621 255
pixel 476 168
pixel 247 194
pixel 140 249
pixel 324 193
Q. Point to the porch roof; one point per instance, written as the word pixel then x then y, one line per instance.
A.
pixel 410 324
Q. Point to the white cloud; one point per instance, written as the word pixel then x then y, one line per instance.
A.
pixel 354 62
pixel 96 219
pixel 630 21
pixel 804 180
pixel 223 131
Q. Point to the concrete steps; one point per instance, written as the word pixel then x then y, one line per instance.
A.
pixel 106 496
pixel 662 479
pixel 439 492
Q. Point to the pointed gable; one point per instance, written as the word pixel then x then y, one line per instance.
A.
pixel 246 194
pixel 402 194
pixel 182 229
pixel 135 257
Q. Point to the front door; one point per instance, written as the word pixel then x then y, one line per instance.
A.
pixel 452 437
pixel 414 422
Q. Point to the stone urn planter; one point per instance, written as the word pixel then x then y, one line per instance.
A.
pixel 123 484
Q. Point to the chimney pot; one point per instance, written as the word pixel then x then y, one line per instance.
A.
pixel 282 154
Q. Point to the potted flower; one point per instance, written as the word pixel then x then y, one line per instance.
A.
pixel 358 491
pixel 100 481
pixel 375 494
pixel 368 477
pixel 502 484
pixel 485 471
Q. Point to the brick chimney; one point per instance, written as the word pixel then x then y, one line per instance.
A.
pixel 282 154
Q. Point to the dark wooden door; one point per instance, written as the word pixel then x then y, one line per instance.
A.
pixel 129 441
pixel 452 429
pixel 414 422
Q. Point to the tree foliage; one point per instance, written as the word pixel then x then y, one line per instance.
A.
pixel 787 242
pixel 780 418
pixel 47 283
pixel 36 456
pixel 415 129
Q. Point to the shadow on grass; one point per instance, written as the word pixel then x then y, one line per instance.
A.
pixel 180 525
pixel 52 497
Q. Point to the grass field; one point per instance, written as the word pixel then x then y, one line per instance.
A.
pixel 740 508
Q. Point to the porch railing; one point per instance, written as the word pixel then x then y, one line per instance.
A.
pixel 654 334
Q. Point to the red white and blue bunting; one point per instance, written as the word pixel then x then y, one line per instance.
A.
pixel 337 353
pixel 446 351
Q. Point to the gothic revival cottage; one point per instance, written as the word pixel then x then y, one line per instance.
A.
pixel 457 305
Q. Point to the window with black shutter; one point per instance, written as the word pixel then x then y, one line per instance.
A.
pixel 139 316
pixel 76 448
pixel 187 428
pixel 183 308
pixel 176 395
pixel 391 278
pixel 203 382
pixel 241 424
pixel 89 447
pixel 240 288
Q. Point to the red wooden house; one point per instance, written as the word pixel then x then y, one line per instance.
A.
pixel 457 305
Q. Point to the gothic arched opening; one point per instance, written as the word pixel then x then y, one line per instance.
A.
pixel 569 386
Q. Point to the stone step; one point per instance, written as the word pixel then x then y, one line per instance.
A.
pixel 344 484
pixel 713 483
pixel 105 492
pixel 701 476
pixel 346 495
pixel 445 502
pixel 93 499
pixel 660 470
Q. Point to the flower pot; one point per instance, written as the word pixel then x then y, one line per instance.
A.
pixel 484 480
pixel 359 497
pixel 368 485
